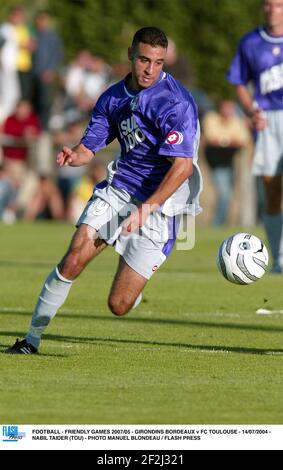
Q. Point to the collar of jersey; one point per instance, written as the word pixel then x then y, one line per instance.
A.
pixel 269 38
pixel 132 94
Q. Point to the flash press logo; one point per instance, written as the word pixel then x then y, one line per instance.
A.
pixel 12 434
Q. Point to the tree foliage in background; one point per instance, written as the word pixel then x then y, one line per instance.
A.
pixel 215 28
pixel 30 7
pixel 205 31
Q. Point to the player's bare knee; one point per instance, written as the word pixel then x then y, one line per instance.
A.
pixel 118 306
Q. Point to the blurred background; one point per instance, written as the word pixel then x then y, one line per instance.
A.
pixel 58 56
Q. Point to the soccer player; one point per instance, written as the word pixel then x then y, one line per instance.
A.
pixel 155 120
pixel 259 59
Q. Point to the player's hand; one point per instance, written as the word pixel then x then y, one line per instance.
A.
pixel 136 220
pixel 132 223
pixel 258 120
pixel 67 157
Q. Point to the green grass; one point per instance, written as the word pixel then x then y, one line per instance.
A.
pixel 194 352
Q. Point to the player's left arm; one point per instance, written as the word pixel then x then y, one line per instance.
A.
pixel 181 169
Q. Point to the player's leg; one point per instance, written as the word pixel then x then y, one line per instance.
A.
pixel 98 227
pixel 83 248
pixel 272 218
pixel 126 289
pixel 268 163
pixel 141 255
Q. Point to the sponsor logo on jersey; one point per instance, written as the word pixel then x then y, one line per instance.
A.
pixel 130 133
pixel 174 137
pixel 271 79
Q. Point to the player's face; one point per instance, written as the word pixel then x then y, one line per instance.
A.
pixel 273 12
pixel 147 63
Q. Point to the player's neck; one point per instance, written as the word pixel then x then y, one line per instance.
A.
pixel 132 84
pixel 275 30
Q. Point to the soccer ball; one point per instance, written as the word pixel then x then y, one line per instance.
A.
pixel 242 258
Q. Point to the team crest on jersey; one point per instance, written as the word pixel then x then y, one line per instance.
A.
pixel 134 103
pixel 276 50
pixel 174 137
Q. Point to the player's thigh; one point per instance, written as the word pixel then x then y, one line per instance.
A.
pixel 85 245
pixel 86 235
pixel 127 284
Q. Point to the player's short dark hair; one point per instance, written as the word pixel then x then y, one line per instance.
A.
pixel 150 35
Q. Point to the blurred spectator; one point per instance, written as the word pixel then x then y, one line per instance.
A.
pixel 9 80
pixel 47 58
pixel 20 130
pixel 178 66
pixel 223 135
pixel 26 44
pixel 85 80
pixel 181 69
pixel 69 177
pixel 7 197
pixel 46 201
pixel 203 101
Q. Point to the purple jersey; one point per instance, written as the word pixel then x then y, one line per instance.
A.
pixel 152 125
pixel 259 58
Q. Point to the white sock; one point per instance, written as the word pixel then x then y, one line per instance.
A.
pixel 54 293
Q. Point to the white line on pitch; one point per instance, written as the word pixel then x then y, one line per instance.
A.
pixel 265 311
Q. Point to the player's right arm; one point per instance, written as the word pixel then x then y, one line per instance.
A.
pixel 254 112
pixel 77 156
pixel 240 73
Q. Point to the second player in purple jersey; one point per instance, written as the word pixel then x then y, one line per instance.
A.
pixel 152 125
pixel 259 58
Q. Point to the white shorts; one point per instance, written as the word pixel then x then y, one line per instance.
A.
pixel 144 251
pixel 268 155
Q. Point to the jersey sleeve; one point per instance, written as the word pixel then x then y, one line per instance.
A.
pixel 179 128
pixel 239 72
pixel 100 131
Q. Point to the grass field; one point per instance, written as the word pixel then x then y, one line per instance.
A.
pixel 193 352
